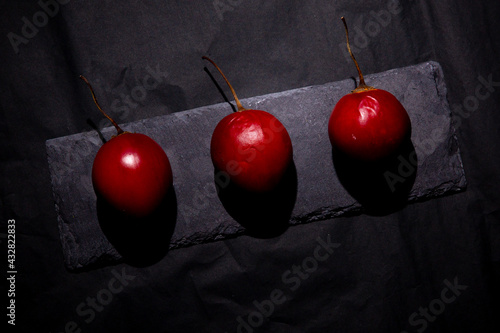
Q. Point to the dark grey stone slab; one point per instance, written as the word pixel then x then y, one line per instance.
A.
pixel 318 192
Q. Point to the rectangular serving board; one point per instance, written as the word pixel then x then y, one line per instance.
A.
pixel 185 137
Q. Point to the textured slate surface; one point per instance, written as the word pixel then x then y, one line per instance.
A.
pixel 313 191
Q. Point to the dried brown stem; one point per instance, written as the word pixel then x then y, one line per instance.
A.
pixel 238 103
pixel 362 84
pixel 118 129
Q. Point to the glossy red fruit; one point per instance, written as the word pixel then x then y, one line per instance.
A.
pixel 131 172
pixel 368 124
pixel 251 146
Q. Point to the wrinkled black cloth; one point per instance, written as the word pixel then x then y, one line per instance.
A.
pixel 433 266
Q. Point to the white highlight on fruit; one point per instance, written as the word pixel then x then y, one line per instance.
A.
pixel 368 108
pixel 130 160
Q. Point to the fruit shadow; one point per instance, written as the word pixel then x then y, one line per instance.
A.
pixel 263 215
pixel 380 187
pixel 219 88
pixel 96 128
pixel 140 241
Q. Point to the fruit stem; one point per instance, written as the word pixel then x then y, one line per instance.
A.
pixel 238 103
pixel 362 85
pixel 118 129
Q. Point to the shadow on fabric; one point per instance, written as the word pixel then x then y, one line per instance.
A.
pixel 140 241
pixel 380 187
pixel 263 215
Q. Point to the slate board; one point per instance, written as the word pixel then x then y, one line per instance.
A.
pixel 317 193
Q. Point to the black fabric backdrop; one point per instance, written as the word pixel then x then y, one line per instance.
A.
pixel 433 266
